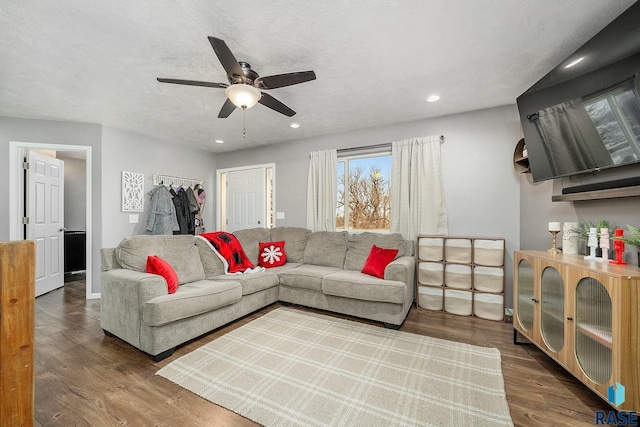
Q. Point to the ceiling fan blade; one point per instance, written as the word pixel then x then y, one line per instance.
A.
pixel 227 109
pixel 269 101
pixel 228 61
pixel 282 80
pixel 193 83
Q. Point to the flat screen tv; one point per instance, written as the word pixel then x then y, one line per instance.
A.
pixel 584 116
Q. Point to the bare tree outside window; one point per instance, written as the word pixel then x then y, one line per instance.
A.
pixel 364 194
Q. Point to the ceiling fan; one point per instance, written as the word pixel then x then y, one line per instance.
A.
pixel 243 90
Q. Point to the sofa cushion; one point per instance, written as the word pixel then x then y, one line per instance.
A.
pixel 287 266
pixel 179 251
pixel 409 249
pixel 190 300
pixel 250 238
pixel 211 262
pixel 378 260
pixel 306 276
pixel 272 254
pixel 295 239
pixel 353 284
pixel 253 282
pixel 360 244
pixel 326 248
pixel 156 265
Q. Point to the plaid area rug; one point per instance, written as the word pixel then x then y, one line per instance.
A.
pixel 295 368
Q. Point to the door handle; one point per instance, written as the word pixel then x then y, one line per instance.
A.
pixel 258 221
pixel 63 229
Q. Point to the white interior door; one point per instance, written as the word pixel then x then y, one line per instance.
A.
pixel 246 199
pixel 46 219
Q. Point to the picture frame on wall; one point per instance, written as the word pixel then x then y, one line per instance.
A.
pixel 132 192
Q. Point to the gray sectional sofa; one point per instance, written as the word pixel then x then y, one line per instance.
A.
pixel 322 271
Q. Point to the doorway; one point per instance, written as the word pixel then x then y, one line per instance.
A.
pixel 18 194
pixel 247 197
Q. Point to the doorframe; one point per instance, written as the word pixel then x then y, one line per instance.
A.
pixel 219 203
pixel 16 194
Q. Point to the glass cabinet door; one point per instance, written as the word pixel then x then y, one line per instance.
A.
pixel 593 336
pixel 525 294
pixel 552 308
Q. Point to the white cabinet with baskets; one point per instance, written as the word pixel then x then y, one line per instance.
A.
pixel 461 275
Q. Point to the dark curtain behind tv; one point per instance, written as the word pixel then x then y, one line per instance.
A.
pixel 571 139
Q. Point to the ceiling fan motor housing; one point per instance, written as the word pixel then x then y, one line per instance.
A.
pixel 249 74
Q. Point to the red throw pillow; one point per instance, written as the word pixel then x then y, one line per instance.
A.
pixel 156 265
pixel 378 260
pixel 272 254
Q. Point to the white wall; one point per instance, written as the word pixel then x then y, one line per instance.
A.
pixel 481 185
pixel 61 133
pixel 537 210
pixel 126 151
pixel 122 151
pixel 75 188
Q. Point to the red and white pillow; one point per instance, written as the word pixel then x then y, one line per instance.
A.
pixel 378 260
pixel 271 254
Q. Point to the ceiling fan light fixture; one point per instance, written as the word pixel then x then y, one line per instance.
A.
pixel 243 95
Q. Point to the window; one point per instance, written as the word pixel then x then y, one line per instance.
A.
pixel 364 192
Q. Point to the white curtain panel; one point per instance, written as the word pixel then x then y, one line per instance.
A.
pixel 417 191
pixel 322 190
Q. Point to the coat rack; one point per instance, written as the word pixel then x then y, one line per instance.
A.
pixel 159 178
pixel 175 181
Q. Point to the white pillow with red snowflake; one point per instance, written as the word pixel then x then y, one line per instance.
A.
pixel 272 254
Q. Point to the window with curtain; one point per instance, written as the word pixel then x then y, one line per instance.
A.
pixel 394 187
pixel 321 190
pixel 419 205
pixel 364 192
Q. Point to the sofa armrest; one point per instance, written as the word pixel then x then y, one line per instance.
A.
pixel 123 293
pixel 108 260
pixel 402 270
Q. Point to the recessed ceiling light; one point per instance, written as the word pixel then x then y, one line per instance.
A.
pixel 574 62
pixel 219 141
pixel 433 98
pixel 294 125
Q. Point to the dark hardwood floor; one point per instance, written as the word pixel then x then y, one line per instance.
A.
pixel 86 379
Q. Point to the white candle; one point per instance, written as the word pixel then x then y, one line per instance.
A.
pixel 554 226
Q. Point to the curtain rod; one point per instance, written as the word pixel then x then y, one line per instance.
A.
pixel 368 147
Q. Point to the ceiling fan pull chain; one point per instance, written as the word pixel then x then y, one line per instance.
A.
pixel 244 122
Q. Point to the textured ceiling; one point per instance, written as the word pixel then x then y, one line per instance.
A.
pixel 376 61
